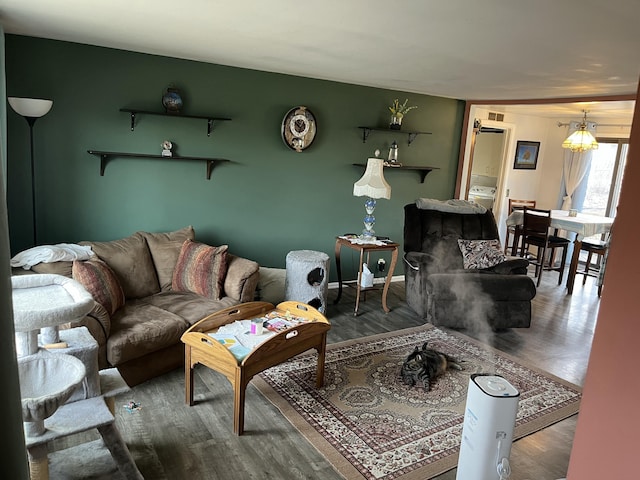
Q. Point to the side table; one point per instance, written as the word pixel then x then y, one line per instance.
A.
pixel 368 248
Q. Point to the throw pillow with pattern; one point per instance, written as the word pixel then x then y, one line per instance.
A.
pixel 478 254
pixel 100 281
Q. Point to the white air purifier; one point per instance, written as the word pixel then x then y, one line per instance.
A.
pixel 487 431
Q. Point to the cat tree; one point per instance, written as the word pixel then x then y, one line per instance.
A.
pixel 63 393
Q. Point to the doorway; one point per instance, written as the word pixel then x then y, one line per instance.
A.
pixel 486 152
pixel 486 165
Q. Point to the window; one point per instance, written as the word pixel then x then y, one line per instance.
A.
pixel 604 181
pixel 605 177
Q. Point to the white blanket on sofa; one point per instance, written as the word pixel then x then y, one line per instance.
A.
pixel 453 206
pixel 51 253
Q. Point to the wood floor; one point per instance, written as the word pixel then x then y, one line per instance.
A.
pixel 170 440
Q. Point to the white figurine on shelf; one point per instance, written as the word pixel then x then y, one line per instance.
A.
pixel 166 148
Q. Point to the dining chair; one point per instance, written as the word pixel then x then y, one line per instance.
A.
pixel 536 231
pixel 516 230
pixel 600 248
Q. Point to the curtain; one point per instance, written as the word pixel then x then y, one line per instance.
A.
pixel 3 113
pixel 575 167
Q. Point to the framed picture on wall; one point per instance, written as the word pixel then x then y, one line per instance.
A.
pixel 526 155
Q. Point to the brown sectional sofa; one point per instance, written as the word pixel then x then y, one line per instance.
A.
pixel 142 337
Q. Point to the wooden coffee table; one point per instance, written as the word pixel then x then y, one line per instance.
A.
pixel 201 348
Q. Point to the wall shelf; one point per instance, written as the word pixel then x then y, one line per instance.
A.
pixel 106 156
pixel 411 136
pixel 423 171
pixel 209 118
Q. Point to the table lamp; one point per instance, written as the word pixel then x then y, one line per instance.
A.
pixel 372 185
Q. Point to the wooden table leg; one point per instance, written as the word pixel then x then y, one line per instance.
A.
pixel 321 357
pixel 338 271
pixel 387 282
pixel 358 282
pixel 239 390
pixel 516 241
pixel 188 376
pixel 573 266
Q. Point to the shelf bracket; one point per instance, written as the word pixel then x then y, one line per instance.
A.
pixel 412 137
pixel 210 165
pixel 423 175
pixel 104 158
pixel 365 134
pixel 133 120
pixel 209 126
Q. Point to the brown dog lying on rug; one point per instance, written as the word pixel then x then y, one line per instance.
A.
pixel 426 365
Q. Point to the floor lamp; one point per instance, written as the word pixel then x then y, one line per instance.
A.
pixel 31 109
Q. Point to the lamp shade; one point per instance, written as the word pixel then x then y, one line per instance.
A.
pixel 30 107
pixel 372 184
pixel 580 140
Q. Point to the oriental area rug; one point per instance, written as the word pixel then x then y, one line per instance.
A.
pixel 370 425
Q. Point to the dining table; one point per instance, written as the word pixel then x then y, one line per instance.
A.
pixel 582 224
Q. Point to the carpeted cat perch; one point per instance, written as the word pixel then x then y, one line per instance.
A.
pixel 62 393
pixel 307 278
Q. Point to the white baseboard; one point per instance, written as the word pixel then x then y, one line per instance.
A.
pixel 376 280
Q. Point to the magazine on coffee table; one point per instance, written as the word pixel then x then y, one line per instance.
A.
pixel 232 343
pixel 237 336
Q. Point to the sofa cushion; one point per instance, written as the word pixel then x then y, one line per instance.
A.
pixel 100 281
pixel 241 279
pixel 200 269
pixel 139 328
pixel 57 268
pixel 165 249
pixel 131 261
pixel 478 254
pixel 271 285
pixel 189 306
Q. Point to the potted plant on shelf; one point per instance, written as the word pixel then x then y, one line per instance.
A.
pixel 397 112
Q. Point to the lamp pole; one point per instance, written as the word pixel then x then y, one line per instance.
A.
pixel 31 121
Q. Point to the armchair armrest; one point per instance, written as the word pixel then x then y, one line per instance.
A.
pixel 478 286
pixel 512 266
pixel 422 262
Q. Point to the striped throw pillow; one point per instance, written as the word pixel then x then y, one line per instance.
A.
pixel 101 282
pixel 200 269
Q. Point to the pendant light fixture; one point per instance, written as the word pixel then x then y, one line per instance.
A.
pixel 582 139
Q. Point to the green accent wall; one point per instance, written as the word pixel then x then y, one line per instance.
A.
pixel 267 201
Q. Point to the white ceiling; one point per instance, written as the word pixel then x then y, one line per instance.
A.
pixel 610 112
pixel 494 49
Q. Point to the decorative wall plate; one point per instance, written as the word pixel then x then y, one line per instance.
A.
pixel 298 128
pixel 172 101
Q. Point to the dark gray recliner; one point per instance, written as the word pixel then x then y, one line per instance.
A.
pixel 443 292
